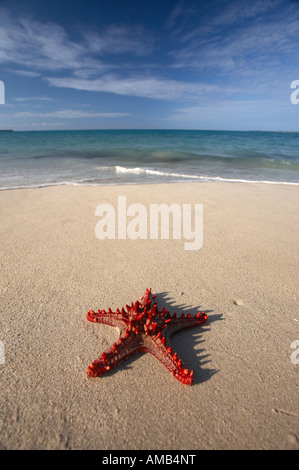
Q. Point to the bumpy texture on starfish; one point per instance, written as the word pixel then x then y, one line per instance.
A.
pixel 144 328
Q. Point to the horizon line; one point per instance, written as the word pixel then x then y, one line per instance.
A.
pixel 152 129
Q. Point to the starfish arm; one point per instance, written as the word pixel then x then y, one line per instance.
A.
pixel 112 319
pixel 184 322
pixel 157 346
pixel 128 344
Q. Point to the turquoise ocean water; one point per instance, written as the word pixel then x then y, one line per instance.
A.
pixel 98 157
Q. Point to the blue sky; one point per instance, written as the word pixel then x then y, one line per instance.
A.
pixel 149 64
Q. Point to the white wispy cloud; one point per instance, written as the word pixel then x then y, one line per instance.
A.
pixel 234 11
pixel 33 98
pixel 120 40
pixel 24 73
pixel 146 87
pixel 248 45
pixel 243 39
pixel 40 46
pixel 47 124
pixel 47 46
pixel 67 114
pixel 49 51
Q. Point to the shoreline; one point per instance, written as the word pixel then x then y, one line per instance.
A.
pixel 54 269
pixel 215 180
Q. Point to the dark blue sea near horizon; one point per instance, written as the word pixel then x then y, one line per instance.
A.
pixel 109 157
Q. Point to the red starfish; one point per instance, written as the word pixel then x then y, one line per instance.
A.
pixel 144 328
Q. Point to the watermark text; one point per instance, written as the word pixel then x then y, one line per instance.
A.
pixel 2 93
pixel 295 354
pixel 2 353
pixel 134 222
pixel 295 95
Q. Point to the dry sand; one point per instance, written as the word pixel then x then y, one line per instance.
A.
pixel 54 269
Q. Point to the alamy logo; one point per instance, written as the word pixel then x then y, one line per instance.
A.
pixel 295 95
pixel 2 93
pixel 142 224
pixel 295 354
pixel 2 358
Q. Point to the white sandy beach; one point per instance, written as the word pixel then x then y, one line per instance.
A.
pixel 245 276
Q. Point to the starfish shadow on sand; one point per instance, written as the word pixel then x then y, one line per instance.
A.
pixel 146 326
pixel 186 343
